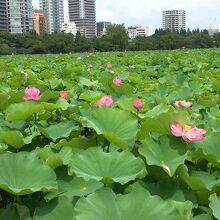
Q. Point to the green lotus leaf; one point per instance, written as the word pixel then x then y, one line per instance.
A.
pixel 216 85
pixel 12 138
pixel 198 180
pixel 90 95
pixel 139 204
pixel 115 166
pixel 100 205
pixel 126 103
pixel 83 142
pixel 49 106
pixel 23 110
pixel 73 67
pixel 9 213
pixel 162 154
pixel 70 186
pixel 61 208
pixel 60 130
pixel 54 161
pixel 66 153
pixel 63 104
pixel 185 208
pixel 157 110
pixel 45 152
pixel 179 197
pixel 47 95
pixel 55 158
pixel 17 124
pixel 23 211
pixel 54 83
pixel 5 101
pixel 171 191
pixel 203 217
pixel 160 123
pixel 118 126
pixel 215 205
pixel 87 82
pixel 209 148
pixel 29 139
pixel 21 174
pixel 185 93
pixel 124 89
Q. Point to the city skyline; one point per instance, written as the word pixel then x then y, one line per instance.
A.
pixel 202 14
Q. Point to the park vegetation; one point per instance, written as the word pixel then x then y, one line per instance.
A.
pixel 116 39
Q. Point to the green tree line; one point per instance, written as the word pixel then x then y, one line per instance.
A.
pixel 116 39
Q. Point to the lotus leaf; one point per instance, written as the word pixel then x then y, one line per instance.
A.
pixel 21 174
pixel 110 167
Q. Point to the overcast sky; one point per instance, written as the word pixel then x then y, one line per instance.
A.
pixel 199 13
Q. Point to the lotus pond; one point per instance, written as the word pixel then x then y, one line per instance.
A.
pixel 110 136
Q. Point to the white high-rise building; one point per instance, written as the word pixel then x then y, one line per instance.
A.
pixel 69 27
pixel 138 31
pixel 54 12
pixel 174 20
pixel 20 16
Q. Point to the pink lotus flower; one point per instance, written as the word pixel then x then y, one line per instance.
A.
pixel 137 103
pixel 117 81
pixel 109 66
pixel 104 101
pixel 63 94
pixel 32 93
pixel 188 133
pixel 183 104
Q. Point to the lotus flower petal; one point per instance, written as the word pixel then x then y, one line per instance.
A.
pixel 137 103
pixel 31 93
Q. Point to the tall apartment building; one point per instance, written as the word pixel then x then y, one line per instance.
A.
pixel 138 31
pixel 19 14
pixel 39 22
pixel 101 28
pixel 174 20
pixel 3 16
pixel 83 13
pixel 54 12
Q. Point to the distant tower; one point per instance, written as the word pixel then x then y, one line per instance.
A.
pixel 83 13
pixel 19 14
pixel 3 16
pixel 138 31
pixel 101 28
pixel 174 20
pixel 54 12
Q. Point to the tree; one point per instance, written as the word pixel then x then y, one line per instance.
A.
pixel 5 49
pixel 216 39
pixel 117 36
